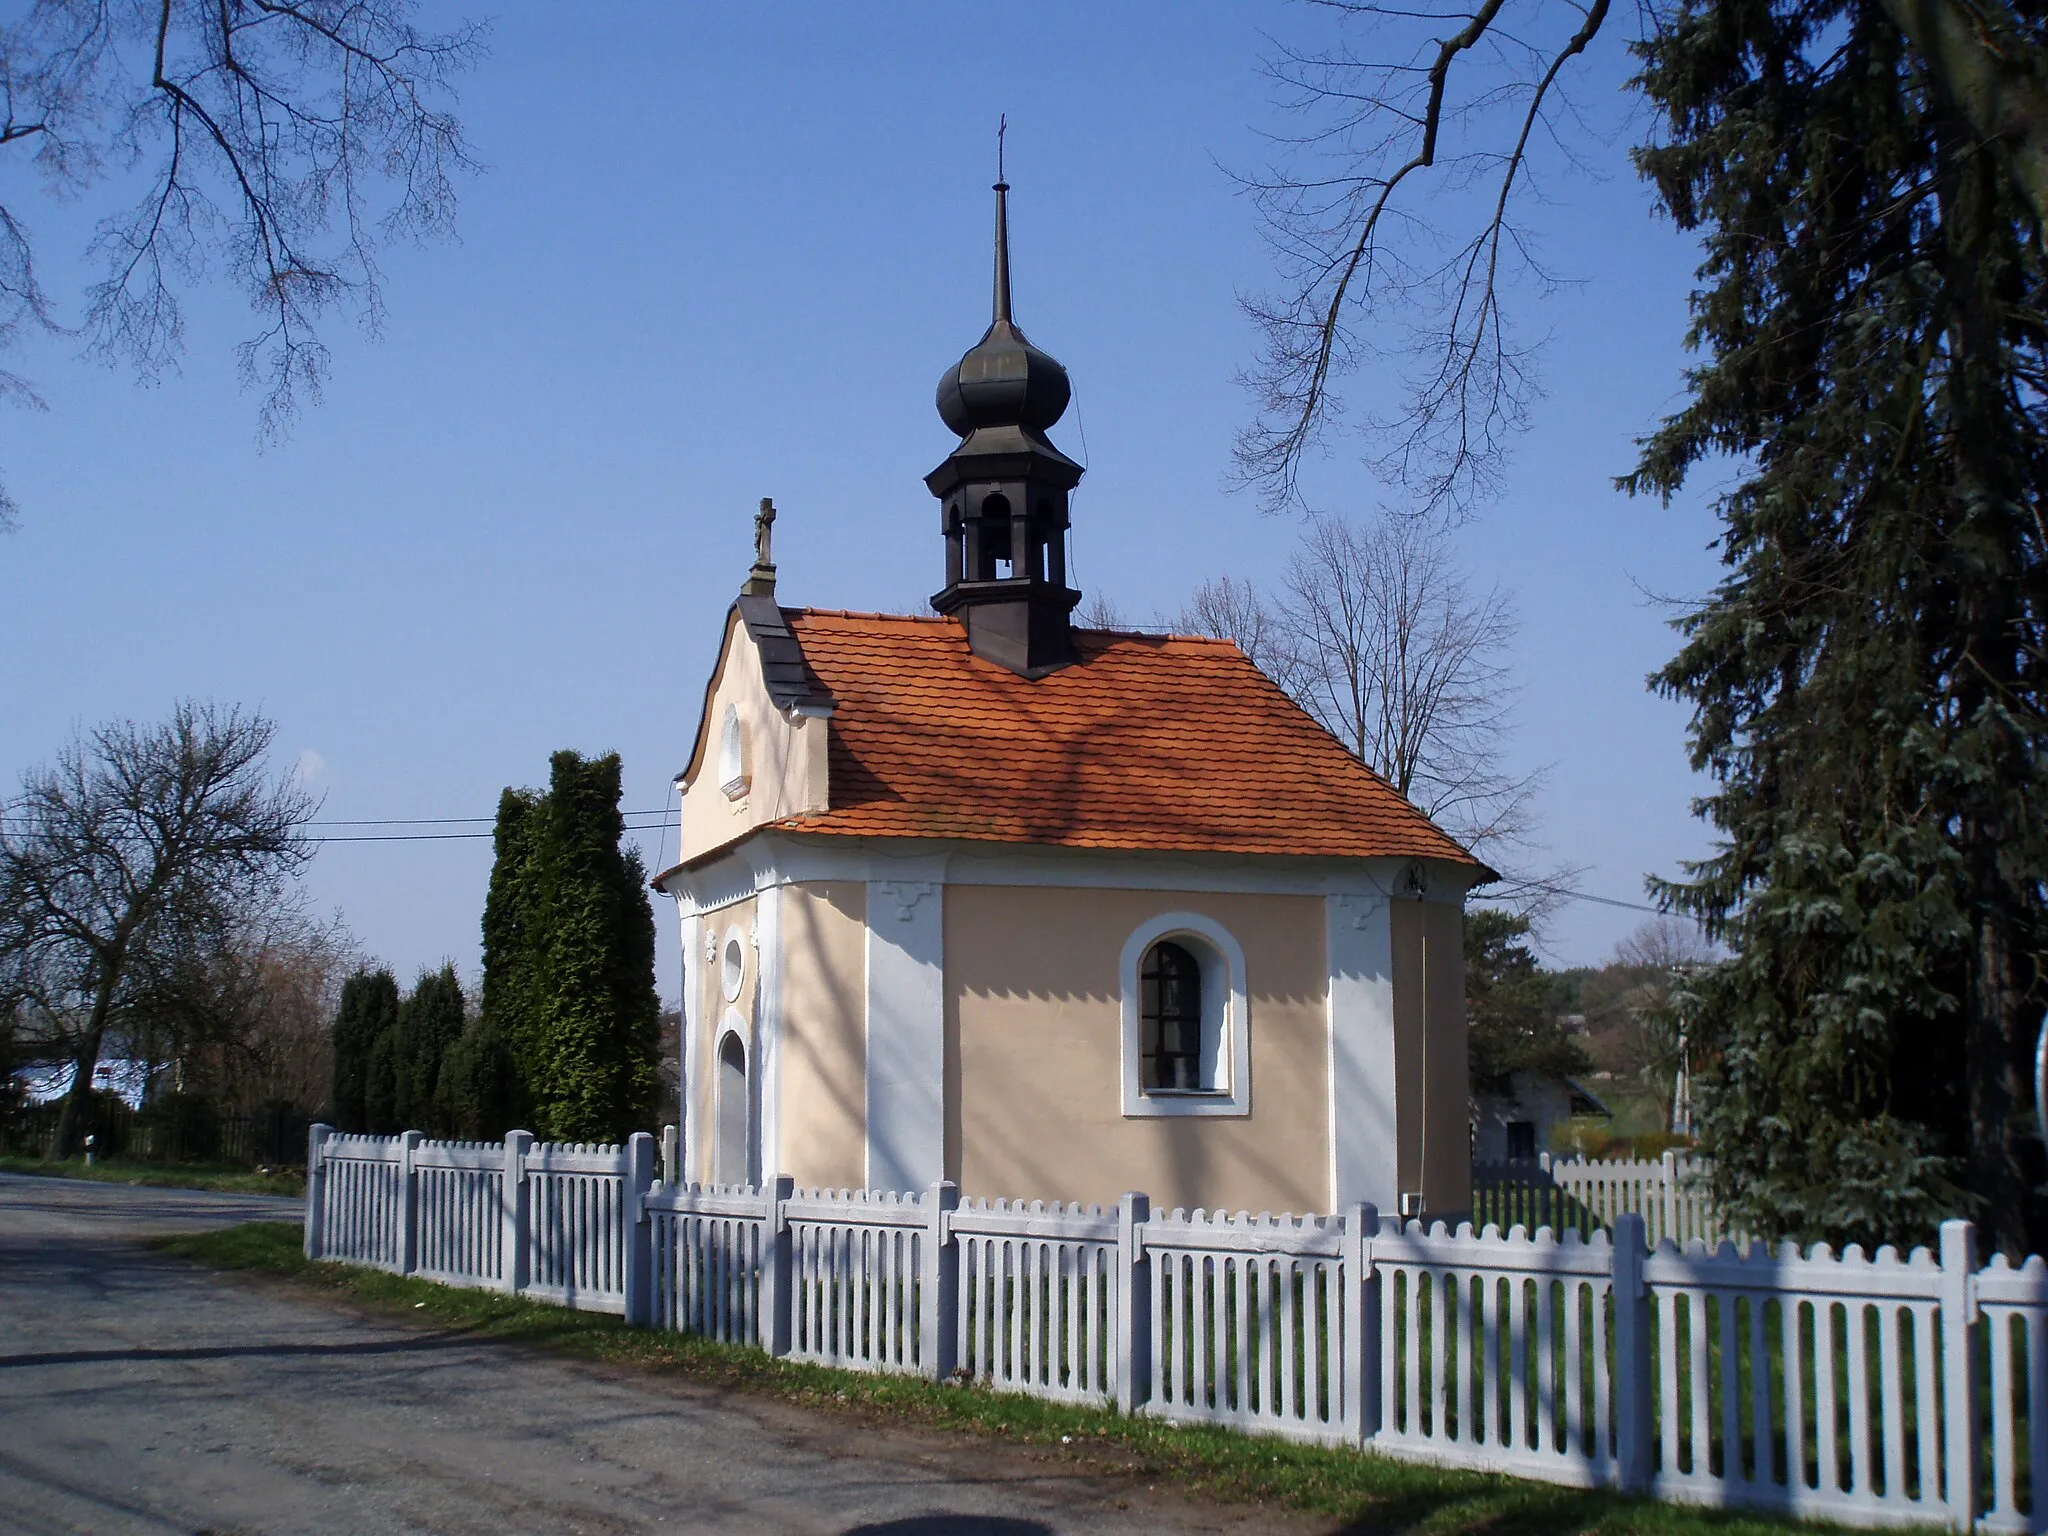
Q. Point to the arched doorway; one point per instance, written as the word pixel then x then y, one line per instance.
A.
pixel 734 1152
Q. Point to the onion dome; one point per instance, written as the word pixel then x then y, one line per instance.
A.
pixel 1003 380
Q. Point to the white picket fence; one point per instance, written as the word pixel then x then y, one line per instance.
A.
pixel 1871 1389
pixel 1585 1194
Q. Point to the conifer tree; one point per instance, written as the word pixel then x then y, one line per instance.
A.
pixel 379 1070
pixel 569 957
pixel 429 1022
pixel 478 1089
pixel 510 974
pixel 591 1073
pixel 367 1012
pixel 1513 1007
pixel 1867 678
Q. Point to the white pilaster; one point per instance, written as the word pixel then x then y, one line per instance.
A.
pixel 768 1029
pixel 1364 1151
pixel 693 1026
pixel 906 1033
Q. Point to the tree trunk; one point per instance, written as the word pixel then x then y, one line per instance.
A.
pixel 1985 672
pixel 1999 1094
pixel 85 1063
pixel 1990 74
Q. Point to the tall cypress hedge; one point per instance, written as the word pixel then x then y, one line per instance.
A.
pixel 429 1022
pixel 367 1017
pixel 569 958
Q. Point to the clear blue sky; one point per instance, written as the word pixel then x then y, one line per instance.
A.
pixel 725 252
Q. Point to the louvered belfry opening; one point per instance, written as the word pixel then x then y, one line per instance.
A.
pixel 1003 493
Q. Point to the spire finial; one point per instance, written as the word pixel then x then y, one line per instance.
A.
pixel 1002 190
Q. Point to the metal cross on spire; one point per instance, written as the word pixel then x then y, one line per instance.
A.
pixel 1002 191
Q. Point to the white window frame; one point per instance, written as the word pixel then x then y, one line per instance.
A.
pixel 733 779
pixel 730 987
pixel 1226 1018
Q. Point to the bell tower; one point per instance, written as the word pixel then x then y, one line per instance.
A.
pixel 1003 492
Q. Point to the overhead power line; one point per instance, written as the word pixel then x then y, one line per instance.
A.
pixel 635 822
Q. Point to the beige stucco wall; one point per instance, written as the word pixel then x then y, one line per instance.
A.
pixel 709 1025
pixel 824 1039
pixel 784 759
pixel 1429 984
pixel 1034 1043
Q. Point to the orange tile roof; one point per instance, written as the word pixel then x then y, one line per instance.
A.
pixel 1148 742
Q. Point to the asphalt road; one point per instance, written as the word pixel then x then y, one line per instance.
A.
pixel 142 1394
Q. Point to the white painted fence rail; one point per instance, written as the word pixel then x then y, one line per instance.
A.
pixel 1873 1389
pixel 1586 1194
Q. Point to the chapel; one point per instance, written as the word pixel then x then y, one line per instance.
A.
pixel 1051 912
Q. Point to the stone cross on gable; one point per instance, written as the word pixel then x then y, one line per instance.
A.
pixel 761 579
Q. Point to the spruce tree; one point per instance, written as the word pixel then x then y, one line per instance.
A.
pixel 1513 1007
pixel 429 1022
pixel 1866 679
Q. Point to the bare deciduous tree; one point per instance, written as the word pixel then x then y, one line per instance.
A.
pixel 280 141
pixel 1377 633
pixel 1392 212
pixel 248 1021
pixel 1099 611
pixel 1233 608
pixel 140 850
pixel 1397 656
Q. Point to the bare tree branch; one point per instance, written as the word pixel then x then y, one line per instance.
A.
pixel 282 141
pixel 1356 242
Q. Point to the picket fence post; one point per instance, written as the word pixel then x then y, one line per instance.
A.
pixel 939 1347
pixel 1362 1360
pixel 1671 1227
pixel 1958 1371
pixel 639 1231
pixel 778 1295
pixel 316 1188
pixel 1633 1437
pixel 513 1211
pixel 1133 1304
pixel 408 1203
pixel 670 1140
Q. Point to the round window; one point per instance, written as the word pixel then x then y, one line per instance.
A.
pixel 732 969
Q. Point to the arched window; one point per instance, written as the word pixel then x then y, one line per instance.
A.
pixel 1170 1020
pixel 1186 1026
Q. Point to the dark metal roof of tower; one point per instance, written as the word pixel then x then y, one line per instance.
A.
pixel 1003 380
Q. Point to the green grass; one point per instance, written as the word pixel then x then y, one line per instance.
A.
pixel 1376 1493
pixel 228 1178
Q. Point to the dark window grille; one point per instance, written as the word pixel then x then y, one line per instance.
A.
pixel 1170 1021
